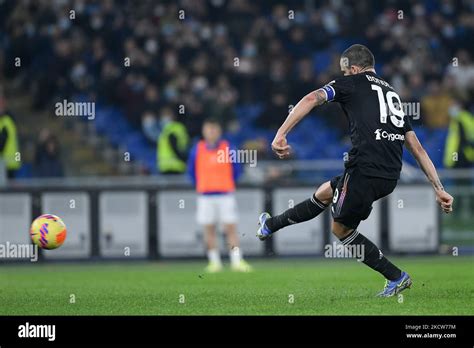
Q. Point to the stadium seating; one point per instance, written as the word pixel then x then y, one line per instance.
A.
pixel 111 123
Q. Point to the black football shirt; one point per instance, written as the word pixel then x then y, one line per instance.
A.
pixel 376 120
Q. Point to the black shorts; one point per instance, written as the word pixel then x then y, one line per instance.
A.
pixel 354 193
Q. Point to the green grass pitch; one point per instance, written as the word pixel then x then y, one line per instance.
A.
pixel 442 285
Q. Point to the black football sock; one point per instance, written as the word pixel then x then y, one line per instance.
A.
pixel 372 256
pixel 301 212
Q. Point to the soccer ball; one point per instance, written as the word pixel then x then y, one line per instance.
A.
pixel 48 231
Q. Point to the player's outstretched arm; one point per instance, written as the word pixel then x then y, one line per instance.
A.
pixel 412 143
pixel 304 106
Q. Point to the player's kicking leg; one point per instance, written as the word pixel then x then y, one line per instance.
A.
pixel 301 212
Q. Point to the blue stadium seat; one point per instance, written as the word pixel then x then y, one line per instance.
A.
pixel 321 60
pixel 248 113
pixel 25 171
pixel 312 139
pixel 340 44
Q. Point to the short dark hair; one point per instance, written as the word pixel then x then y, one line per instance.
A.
pixel 212 120
pixel 358 55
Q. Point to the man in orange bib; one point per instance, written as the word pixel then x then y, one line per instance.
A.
pixel 214 176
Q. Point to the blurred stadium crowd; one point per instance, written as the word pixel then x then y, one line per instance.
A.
pixel 240 61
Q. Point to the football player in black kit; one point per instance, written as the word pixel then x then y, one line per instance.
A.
pixel 379 129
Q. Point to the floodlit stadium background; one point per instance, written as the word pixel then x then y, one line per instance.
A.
pixel 244 63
